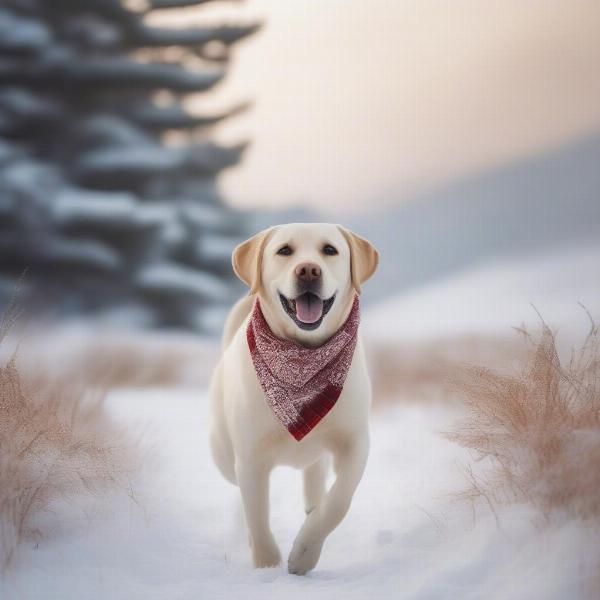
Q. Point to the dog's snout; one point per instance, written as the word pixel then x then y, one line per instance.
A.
pixel 308 272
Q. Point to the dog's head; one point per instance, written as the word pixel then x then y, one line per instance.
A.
pixel 306 275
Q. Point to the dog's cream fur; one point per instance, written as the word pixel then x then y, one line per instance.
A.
pixel 247 440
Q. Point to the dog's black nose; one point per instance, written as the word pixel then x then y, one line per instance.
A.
pixel 308 272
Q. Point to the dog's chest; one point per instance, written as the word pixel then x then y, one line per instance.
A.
pixel 258 430
pixel 283 449
pixel 336 428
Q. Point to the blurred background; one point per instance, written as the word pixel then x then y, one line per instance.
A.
pixel 141 140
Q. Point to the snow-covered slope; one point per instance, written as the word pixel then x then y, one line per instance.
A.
pixel 496 296
pixel 178 533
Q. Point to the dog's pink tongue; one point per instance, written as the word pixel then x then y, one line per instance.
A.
pixel 309 308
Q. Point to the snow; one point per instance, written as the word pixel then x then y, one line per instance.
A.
pixel 22 34
pixel 178 532
pixel 170 278
pixel 207 216
pixel 496 296
pixel 80 208
pixel 215 249
pixel 75 207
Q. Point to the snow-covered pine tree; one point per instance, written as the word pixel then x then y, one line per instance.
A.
pixel 100 212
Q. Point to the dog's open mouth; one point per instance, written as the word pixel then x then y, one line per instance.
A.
pixel 306 310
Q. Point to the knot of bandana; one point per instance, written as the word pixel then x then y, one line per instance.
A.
pixel 301 384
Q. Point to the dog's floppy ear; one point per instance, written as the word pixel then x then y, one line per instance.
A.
pixel 247 259
pixel 364 257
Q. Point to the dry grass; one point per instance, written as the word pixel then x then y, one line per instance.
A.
pixel 131 363
pixel 539 430
pixel 56 441
pixel 421 371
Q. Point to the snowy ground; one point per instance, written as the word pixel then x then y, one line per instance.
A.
pixel 178 533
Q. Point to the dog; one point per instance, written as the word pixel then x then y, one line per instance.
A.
pixel 302 307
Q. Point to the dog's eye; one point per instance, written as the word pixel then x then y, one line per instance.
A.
pixel 284 251
pixel 329 250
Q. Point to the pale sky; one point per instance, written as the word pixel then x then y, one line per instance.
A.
pixel 361 102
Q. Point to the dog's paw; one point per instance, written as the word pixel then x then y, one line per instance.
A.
pixel 265 555
pixel 303 557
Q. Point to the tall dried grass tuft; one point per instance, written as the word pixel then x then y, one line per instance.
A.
pixel 539 429
pixel 56 441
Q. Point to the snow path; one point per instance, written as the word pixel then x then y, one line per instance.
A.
pixel 182 536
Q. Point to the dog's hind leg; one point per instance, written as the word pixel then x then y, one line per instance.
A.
pixel 222 453
pixel 315 478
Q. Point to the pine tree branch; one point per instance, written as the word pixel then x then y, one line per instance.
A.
pixel 155 117
pixel 127 167
pixel 20 110
pixel 26 7
pixel 20 34
pixel 53 251
pixel 175 282
pixel 197 36
pixel 112 10
pixel 105 72
pixel 159 4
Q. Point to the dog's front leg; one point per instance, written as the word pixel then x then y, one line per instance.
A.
pixel 254 486
pixel 349 465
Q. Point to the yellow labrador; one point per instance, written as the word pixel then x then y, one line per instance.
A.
pixel 304 280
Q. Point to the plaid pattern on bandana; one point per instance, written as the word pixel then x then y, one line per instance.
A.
pixel 301 384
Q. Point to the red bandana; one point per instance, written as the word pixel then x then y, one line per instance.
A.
pixel 301 384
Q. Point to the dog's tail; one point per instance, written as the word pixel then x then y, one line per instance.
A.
pixel 236 317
